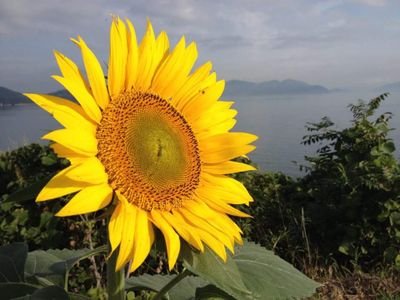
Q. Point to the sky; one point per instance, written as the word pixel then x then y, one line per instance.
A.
pixel 335 43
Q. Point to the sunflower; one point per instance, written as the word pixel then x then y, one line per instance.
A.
pixel 155 137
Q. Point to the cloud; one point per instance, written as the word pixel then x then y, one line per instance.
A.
pixel 372 2
pixel 24 16
pixel 254 39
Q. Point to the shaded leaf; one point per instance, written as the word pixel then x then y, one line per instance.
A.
pixel 210 267
pixel 52 266
pixel 270 277
pixel 50 292
pixel 28 193
pixel 12 262
pixel 211 292
pixel 11 290
pixel 183 290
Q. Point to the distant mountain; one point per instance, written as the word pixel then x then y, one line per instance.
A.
pixel 63 94
pixel 390 88
pixel 10 97
pixel 273 87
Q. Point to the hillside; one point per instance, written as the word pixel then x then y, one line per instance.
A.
pixel 273 87
pixel 63 94
pixel 390 88
pixel 10 97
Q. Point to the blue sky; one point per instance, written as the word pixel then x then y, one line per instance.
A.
pixel 336 43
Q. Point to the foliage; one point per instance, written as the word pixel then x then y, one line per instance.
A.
pixel 276 221
pixel 38 274
pixel 46 274
pixel 26 221
pixel 354 183
pixel 238 278
pixel 346 208
pixel 19 169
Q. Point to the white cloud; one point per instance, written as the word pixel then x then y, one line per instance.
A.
pixel 25 16
pixel 254 39
pixel 372 2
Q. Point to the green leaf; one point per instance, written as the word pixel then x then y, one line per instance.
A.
pixel 73 296
pixel 49 160
pixel 12 290
pixel 397 260
pixel 210 267
pixel 270 277
pixel 388 147
pixel 12 262
pixel 183 290
pixel 28 193
pixel 52 266
pixel 252 273
pixel 211 292
pixel 50 292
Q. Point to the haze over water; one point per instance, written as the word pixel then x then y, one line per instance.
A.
pixel 278 121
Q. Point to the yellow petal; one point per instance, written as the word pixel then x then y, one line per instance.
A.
pixel 83 96
pixel 199 222
pixel 181 96
pixel 118 57
pixel 226 188
pixel 222 127
pixel 184 231
pixel 171 238
pixel 94 73
pixel 91 170
pixel 226 154
pixel 213 243
pixel 214 202
pixel 162 46
pixel 207 238
pixel 67 113
pixel 147 63
pixel 89 199
pixel 128 213
pixel 59 186
pixel 70 70
pixel 144 234
pixel 175 68
pixel 212 118
pixel 203 100
pixel 195 91
pixel 226 140
pixel 115 227
pixel 77 140
pixel 227 167
pixel 64 152
pixel 133 57
pixel 214 218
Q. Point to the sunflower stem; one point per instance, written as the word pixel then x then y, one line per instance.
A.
pixel 171 284
pixel 115 279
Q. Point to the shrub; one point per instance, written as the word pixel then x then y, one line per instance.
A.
pixel 353 188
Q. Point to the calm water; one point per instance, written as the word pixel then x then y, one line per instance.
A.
pixel 278 121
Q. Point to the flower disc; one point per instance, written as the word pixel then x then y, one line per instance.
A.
pixel 149 151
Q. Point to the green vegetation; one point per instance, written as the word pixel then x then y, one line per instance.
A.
pixel 339 223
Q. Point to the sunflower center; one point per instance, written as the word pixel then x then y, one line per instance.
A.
pixel 149 151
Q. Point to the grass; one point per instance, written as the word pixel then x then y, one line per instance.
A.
pixel 342 284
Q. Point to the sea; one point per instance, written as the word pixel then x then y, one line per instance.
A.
pixel 278 121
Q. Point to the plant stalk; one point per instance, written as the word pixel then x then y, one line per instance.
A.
pixel 115 279
pixel 171 284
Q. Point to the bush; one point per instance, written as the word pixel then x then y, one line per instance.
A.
pixel 353 188
pixel 24 221
pixel 346 208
